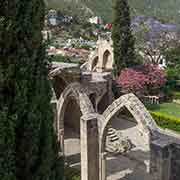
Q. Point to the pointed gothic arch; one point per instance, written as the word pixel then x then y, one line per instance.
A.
pixel 77 91
pixel 136 108
pixel 145 123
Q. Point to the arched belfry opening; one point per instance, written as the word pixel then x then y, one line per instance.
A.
pixel 72 105
pixel 107 60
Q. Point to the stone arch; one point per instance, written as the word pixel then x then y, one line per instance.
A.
pixel 136 108
pixel 107 60
pixel 78 93
pixel 144 121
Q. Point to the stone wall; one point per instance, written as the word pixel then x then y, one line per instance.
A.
pixel 175 162
pixel 165 158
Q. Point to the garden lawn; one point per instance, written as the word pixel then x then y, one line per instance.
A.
pixel 167 109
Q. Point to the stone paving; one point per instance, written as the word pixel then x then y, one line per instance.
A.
pixel 123 168
pixel 129 167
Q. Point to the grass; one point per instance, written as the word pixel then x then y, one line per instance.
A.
pixel 168 109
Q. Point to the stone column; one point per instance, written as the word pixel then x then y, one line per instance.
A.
pixel 61 142
pixel 175 162
pixel 58 127
pixel 103 166
pixel 89 148
pixel 160 163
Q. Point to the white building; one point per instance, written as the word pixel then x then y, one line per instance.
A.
pixel 160 60
pixel 96 20
pixel 52 17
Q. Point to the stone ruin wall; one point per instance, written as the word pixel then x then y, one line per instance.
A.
pixel 164 145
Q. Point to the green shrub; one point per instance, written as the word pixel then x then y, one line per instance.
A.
pixel 165 121
pixel 175 94
pixel 72 174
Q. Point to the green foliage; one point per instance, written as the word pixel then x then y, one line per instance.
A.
pixel 166 122
pixel 166 10
pixel 173 69
pixel 175 94
pixel 124 54
pixel 140 37
pixel 28 149
pixel 169 109
pixel 72 174
pixel 166 115
pixel 71 8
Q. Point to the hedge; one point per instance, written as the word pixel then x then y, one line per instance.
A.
pixel 175 94
pixel 166 122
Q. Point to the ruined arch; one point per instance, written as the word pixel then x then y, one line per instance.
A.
pixel 136 108
pixel 144 120
pixel 78 93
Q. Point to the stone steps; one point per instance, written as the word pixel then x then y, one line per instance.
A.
pixel 112 134
pixel 116 143
pixel 112 140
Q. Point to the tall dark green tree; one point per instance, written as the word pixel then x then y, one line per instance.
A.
pixel 28 148
pixel 124 54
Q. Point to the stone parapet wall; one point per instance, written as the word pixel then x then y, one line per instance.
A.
pixel 165 159
pixel 175 162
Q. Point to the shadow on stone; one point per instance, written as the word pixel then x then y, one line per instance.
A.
pixel 73 159
pixel 130 166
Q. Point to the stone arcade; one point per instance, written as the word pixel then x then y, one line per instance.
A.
pixel 83 100
pixel 91 92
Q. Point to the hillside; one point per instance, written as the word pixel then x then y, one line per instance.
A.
pixel 166 10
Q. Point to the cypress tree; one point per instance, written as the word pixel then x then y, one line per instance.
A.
pixel 28 148
pixel 123 39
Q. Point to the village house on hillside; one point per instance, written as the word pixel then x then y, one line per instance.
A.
pixel 96 20
pixel 56 18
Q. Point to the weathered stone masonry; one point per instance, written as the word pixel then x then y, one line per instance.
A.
pixel 164 146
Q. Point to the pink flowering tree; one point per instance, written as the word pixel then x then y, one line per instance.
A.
pixel 142 80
